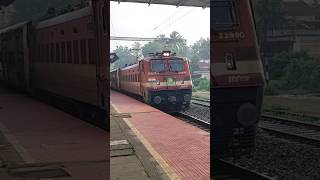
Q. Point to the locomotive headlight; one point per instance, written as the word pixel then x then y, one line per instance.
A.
pixel 157 99
pixel 166 53
pixel 158 82
pixel 230 61
pixel 247 114
pixel 187 97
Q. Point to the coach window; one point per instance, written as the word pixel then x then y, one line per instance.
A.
pixel 92 55
pixel 75 52
pixel 75 30
pixel 83 51
pixel 43 59
pixel 47 54
pixel 63 52
pixel 43 51
pixel 69 56
pixel 57 53
pixel 39 53
pixel 52 53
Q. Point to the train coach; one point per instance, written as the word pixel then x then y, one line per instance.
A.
pixel 62 58
pixel 238 78
pixel 162 80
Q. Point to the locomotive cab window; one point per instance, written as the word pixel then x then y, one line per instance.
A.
pixel 224 14
pixel 157 66
pixel 176 65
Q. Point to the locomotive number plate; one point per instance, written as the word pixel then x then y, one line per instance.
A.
pixel 229 36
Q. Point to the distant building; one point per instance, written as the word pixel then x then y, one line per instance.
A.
pixel 302 31
pixel 204 68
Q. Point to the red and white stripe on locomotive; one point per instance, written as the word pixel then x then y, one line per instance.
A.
pixel 162 80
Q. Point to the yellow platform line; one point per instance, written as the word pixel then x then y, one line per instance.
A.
pixel 27 158
pixel 164 165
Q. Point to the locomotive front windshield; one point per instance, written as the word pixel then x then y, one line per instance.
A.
pixel 176 65
pixel 224 14
pixel 158 66
pixel 172 65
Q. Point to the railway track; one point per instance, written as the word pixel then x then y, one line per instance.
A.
pixel 226 170
pixel 293 115
pixel 306 132
pixel 201 102
pixel 193 120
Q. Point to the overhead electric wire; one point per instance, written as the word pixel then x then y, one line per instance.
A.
pixel 177 20
pixel 165 21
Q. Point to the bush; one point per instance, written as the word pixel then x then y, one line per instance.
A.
pixel 204 84
pixel 270 90
pixel 294 71
pixel 196 82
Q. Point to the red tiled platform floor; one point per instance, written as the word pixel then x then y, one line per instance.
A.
pixel 184 147
pixel 48 135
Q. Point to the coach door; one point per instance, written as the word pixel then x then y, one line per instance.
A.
pixel 141 72
pixel 101 21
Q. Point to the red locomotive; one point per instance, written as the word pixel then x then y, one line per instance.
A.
pixel 63 58
pixel 162 80
pixel 238 77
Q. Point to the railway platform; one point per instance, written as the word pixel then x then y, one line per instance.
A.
pixel 166 147
pixel 38 141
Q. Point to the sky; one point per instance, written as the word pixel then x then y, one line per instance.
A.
pixel 142 20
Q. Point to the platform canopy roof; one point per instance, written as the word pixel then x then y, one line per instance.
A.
pixel 5 2
pixel 194 3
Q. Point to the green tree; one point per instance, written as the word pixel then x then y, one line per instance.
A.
pixel 178 44
pixel 125 57
pixel 175 43
pixel 136 50
pixel 199 50
pixel 269 15
pixel 204 84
